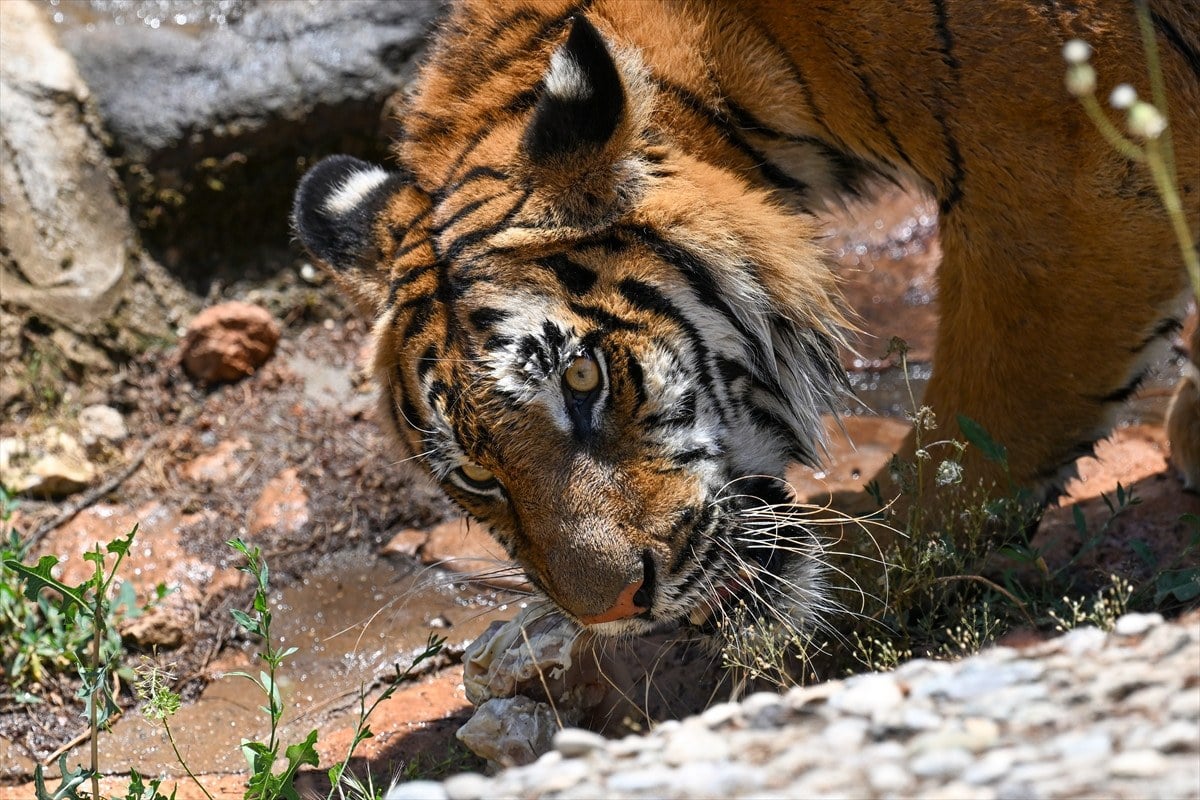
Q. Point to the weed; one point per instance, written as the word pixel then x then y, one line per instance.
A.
pixel 85 607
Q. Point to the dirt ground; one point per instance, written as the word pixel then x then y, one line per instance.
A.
pixel 367 559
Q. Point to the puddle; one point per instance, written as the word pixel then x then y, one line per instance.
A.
pixel 351 621
pixel 187 15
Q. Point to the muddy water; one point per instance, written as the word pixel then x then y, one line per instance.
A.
pixel 186 15
pixel 352 620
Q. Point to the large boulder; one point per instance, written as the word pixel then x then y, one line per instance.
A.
pixel 65 253
pixel 213 123
pixel 77 294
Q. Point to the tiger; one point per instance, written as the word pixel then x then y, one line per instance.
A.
pixel 604 319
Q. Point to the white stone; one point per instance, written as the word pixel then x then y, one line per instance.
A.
pixel 1084 746
pixel 1138 764
pixel 868 695
pixel 699 744
pixel 101 424
pixel 1136 624
pixel 889 778
pixel 941 763
pixel 467 786
pixel 642 780
pixel 417 790
pixel 575 742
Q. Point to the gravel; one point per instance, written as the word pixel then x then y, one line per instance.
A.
pixel 1064 718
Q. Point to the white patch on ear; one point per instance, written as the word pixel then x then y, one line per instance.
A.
pixel 565 79
pixel 354 190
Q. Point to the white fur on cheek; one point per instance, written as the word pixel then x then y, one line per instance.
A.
pixel 354 190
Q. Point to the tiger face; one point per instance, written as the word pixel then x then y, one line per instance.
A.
pixel 602 348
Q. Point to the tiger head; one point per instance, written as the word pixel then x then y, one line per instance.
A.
pixel 601 345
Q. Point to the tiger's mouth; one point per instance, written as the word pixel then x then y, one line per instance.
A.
pixel 743 564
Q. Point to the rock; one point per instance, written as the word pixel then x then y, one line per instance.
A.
pixel 67 239
pixel 1136 624
pixel 575 742
pixel 868 695
pixel 405 543
pixel 416 790
pixel 252 101
pixel 49 464
pixel 228 341
pixel 218 465
pixel 510 730
pixel 1138 764
pixel 164 628
pixel 101 425
pixel 470 550
pixel 282 506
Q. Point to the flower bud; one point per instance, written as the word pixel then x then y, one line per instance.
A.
pixel 1077 51
pixel 1123 96
pixel 1145 121
pixel 1081 79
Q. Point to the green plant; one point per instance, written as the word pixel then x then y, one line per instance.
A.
pixel 1146 122
pixel 272 775
pixel 86 606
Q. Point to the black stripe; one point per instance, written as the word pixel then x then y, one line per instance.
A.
pixel 647 298
pixel 478 172
pixel 474 237
pixel 728 131
pixel 485 318
pixel 951 194
pixel 849 170
pixel 1123 393
pixel 464 211
pixel 1176 39
pixel 607 320
pixel 490 67
pixel 1163 328
pixel 876 106
pixel 574 277
pixel 637 379
pixel 426 362
pixel 410 276
pixel 704 285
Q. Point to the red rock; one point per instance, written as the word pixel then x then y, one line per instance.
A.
pixel 218 465
pixel 470 550
pixel 228 341
pixel 405 543
pixel 283 505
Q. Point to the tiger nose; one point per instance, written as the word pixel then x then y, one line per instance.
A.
pixel 630 602
pixel 635 598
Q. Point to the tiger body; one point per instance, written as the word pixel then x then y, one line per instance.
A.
pixel 604 321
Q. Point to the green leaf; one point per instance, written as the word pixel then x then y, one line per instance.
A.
pixel 38 578
pixel 121 546
pixel 1143 551
pixel 245 621
pixel 980 438
pixel 1181 584
pixel 1080 521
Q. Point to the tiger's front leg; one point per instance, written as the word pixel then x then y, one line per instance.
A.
pixel 1045 333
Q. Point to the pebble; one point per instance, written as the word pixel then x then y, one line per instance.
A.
pixel 417 790
pixel 1138 764
pixel 868 695
pixel 1037 723
pixel 1136 624
pixel 101 425
pixel 576 742
pixel 940 763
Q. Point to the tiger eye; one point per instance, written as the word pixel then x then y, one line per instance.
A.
pixel 476 473
pixel 583 375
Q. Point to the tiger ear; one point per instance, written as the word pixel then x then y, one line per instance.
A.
pixel 582 102
pixel 334 214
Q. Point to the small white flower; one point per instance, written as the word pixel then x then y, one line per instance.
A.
pixel 1145 121
pixel 1081 79
pixel 1077 51
pixel 1123 96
